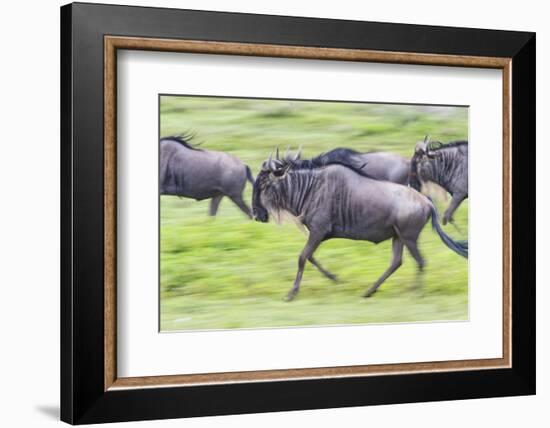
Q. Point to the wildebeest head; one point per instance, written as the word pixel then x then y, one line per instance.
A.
pixel 273 171
pixel 423 152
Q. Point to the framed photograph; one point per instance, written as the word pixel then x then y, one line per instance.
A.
pixel 266 213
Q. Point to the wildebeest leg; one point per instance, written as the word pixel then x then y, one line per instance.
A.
pixel 413 249
pixel 238 200
pixel 325 272
pixel 455 202
pixel 312 243
pixel 214 204
pixel 397 258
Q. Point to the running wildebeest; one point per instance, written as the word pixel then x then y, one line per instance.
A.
pixel 445 165
pixel 191 172
pixel 335 201
pixel 378 165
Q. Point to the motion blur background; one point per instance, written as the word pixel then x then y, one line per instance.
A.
pixel 230 272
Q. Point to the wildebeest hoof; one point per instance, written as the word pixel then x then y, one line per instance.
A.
pixel 290 296
pixel 369 293
pixel 332 277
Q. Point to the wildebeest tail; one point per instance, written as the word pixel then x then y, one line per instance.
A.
pixel 459 247
pixel 249 175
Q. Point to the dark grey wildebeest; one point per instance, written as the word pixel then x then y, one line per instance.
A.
pixel 379 165
pixel 445 165
pixel 336 201
pixel 191 172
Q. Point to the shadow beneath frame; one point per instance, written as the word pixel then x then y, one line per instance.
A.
pixel 50 411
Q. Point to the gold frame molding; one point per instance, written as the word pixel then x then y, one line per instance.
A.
pixel 113 43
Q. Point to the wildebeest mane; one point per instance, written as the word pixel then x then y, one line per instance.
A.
pixel 438 145
pixel 183 139
pixel 317 163
pixel 339 150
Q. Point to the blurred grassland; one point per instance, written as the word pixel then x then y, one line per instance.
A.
pixel 229 272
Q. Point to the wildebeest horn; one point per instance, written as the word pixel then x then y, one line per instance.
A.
pixel 298 153
pixel 422 146
pixel 270 164
pixel 277 153
pixel 427 144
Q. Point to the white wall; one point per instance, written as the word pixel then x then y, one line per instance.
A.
pixel 29 242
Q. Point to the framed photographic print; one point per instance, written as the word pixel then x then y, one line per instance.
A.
pixel 265 213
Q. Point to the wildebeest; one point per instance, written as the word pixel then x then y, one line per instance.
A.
pixel 445 165
pixel 191 172
pixel 335 201
pixel 378 165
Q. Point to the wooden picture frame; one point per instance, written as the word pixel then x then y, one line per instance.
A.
pixel 91 390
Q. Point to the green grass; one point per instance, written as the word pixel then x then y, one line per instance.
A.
pixel 229 272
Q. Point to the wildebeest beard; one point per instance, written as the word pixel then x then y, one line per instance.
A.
pixel 259 212
pixel 414 181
